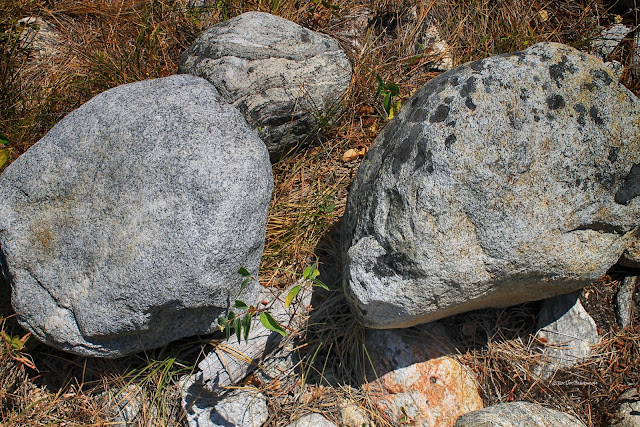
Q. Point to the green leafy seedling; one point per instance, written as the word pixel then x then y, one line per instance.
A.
pixel 389 91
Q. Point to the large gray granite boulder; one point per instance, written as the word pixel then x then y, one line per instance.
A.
pixel 517 414
pixel 281 76
pixel 509 179
pixel 125 226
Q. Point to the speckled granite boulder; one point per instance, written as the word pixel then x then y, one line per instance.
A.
pixel 509 179
pixel 124 227
pixel 517 414
pixel 280 75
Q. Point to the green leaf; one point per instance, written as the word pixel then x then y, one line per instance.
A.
pixel 292 294
pixel 393 88
pixel 244 284
pixel 319 284
pixel 241 305
pixel 271 324
pixel 222 321
pixel 243 272
pixel 238 328
pixel 386 102
pixel 311 272
pixel 4 156
pixel 247 326
pixel 4 139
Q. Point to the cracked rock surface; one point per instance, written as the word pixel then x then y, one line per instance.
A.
pixel 509 179
pixel 281 76
pixel 124 227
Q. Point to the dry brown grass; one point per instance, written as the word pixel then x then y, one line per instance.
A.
pixel 105 43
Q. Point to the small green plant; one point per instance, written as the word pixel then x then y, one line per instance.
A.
pixel 240 323
pixel 389 91
pixel 5 150
pixel 12 347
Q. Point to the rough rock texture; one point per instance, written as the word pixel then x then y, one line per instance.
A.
pixel 625 307
pixel 505 180
pixel 280 75
pixel 124 227
pixel 411 373
pixel 241 407
pixel 631 256
pixel 568 332
pixel 629 411
pixel 517 414
pixel 353 415
pixel 312 420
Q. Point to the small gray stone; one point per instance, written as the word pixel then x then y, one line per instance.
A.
pixel 243 407
pixel 353 415
pixel 509 179
pixel 624 301
pixel 517 414
pixel 609 39
pixel 124 227
pixel 568 331
pixel 312 420
pixel 629 410
pixel 631 256
pixel 280 75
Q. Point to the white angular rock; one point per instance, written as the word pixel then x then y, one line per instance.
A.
pixel 312 420
pixel 567 331
pixel 281 76
pixel 517 414
pixel 125 226
pixel 242 407
pixel 609 39
pixel 510 179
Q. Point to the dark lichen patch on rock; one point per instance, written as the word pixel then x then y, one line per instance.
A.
pixel 423 158
pixel 555 102
pixel 582 111
pixel 468 101
pixel 630 188
pixel 448 142
pixel 440 115
pixel 469 87
pixel 557 71
pixel 595 116
pixel 419 115
pixel 613 154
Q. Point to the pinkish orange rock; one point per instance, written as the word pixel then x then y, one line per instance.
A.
pixel 417 384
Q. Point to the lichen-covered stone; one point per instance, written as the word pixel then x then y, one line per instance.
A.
pixel 124 227
pixel 509 179
pixel 517 414
pixel 281 76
